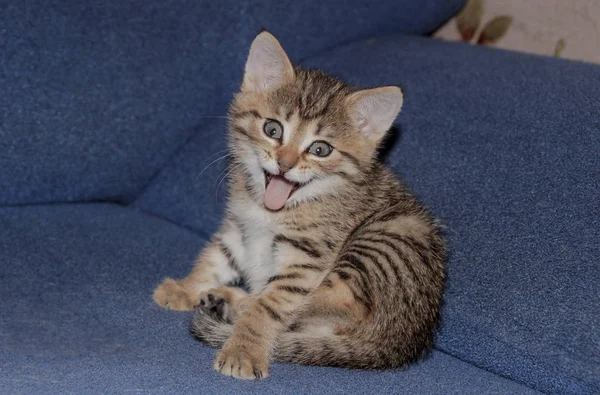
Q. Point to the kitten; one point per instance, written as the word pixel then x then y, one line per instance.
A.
pixel 344 267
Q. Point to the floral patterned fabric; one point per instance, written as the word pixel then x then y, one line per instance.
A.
pixel 567 29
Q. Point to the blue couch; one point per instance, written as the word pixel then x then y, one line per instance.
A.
pixel 111 134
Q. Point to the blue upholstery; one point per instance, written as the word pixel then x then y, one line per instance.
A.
pixel 77 316
pixel 97 96
pixel 121 102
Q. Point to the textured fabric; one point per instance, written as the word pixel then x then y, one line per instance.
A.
pixel 75 285
pixel 191 190
pixel 97 96
pixel 504 147
pixel 567 29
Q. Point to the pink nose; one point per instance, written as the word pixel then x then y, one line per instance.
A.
pixel 284 166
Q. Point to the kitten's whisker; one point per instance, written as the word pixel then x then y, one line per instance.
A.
pixel 218 178
pixel 221 181
pixel 224 177
pixel 211 163
pixel 219 152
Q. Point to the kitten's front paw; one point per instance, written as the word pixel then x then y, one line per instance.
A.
pixel 215 304
pixel 242 362
pixel 171 295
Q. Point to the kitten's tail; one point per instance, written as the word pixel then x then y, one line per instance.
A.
pixel 210 329
pixel 300 347
pixel 325 350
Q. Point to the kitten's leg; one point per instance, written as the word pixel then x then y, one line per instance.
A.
pixel 216 266
pixel 246 354
pixel 334 302
pixel 225 303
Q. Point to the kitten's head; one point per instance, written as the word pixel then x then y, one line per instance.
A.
pixel 300 134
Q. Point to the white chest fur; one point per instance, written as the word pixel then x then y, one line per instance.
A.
pixel 258 228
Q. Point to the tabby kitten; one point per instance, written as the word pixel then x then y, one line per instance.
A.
pixel 344 267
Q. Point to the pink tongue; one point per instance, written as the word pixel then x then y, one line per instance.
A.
pixel 277 193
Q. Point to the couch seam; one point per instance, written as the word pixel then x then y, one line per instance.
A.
pixel 524 384
pixel 136 210
pixel 170 159
pixel 190 229
pixel 62 203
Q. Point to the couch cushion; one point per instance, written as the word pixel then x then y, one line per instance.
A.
pixel 75 283
pixel 97 96
pixel 504 147
pixel 192 189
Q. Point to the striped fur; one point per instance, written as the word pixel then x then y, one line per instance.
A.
pixel 349 272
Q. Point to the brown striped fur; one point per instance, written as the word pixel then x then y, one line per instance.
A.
pixel 350 271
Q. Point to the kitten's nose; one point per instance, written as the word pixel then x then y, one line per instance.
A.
pixel 286 159
pixel 284 166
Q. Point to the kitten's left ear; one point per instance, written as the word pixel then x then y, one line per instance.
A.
pixel 268 67
pixel 374 110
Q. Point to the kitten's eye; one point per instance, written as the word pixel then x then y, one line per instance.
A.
pixel 320 148
pixel 273 129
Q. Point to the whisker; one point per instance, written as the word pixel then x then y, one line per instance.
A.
pixel 224 177
pixel 217 153
pixel 211 163
pixel 218 177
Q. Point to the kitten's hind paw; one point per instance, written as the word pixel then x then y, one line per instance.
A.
pixel 215 304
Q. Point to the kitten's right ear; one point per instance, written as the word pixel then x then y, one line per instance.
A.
pixel 374 110
pixel 268 67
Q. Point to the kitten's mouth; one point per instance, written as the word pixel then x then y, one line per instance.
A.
pixel 278 190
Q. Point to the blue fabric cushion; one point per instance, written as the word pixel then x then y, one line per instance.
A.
pixel 192 189
pixel 97 96
pixel 504 148
pixel 75 285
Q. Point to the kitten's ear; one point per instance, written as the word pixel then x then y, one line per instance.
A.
pixel 267 67
pixel 374 110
